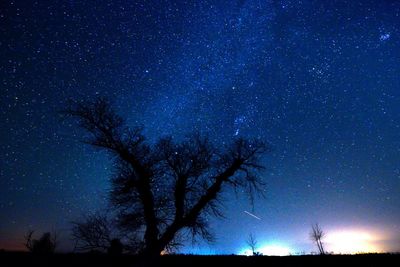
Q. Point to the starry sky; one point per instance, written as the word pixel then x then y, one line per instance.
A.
pixel 318 80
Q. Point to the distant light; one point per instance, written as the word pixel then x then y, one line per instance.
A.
pixel 351 242
pixel 275 250
pixel 269 250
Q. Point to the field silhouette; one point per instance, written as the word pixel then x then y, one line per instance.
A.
pixel 10 259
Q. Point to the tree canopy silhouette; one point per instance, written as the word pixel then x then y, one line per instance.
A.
pixel 162 189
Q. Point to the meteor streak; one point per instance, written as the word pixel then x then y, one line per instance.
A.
pixel 252 215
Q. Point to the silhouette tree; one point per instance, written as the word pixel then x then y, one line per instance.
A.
pixel 163 190
pixel 45 245
pixel 252 243
pixel 317 235
pixel 28 240
pixel 93 233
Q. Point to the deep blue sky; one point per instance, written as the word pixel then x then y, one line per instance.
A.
pixel 319 80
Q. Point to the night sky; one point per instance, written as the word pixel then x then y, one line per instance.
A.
pixel 318 80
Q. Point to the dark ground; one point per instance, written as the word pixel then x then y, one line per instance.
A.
pixel 8 259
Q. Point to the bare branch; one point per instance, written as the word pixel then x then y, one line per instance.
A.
pixel 28 240
pixel 94 233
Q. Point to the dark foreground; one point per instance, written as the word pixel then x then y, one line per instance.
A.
pixel 8 259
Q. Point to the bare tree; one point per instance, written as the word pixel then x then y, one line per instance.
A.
pixel 252 243
pixel 54 238
pixel 28 240
pixel 317 235
pixel 93 233
pixel 160 190
pixel 99 232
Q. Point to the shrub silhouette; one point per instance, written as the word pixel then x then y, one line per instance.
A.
pixel 45 245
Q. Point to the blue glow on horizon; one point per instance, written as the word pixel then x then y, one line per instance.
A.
pixel 269 248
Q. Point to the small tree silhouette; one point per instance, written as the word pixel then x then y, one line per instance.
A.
pixel 45 245
pixel 252 243
pixel 28 240
pixel 317 235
